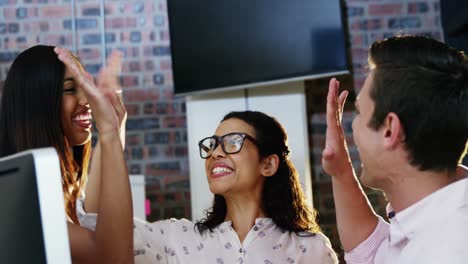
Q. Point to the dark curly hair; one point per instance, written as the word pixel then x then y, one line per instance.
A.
pixel 283 199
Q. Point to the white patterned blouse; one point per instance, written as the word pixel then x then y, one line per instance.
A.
pixel 178 241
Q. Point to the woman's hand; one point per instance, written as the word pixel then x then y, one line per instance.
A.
pixel 113 238
pixel 107 108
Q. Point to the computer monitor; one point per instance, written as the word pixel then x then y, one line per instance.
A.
pixel 33 225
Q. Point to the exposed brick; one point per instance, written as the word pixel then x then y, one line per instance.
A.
pixel 162 7
pixel 133 139
pixel 385 9
pixel 149 108
pixel 176 212
pixel 158 79
pixel 138 7
pixel 156 117
pixel 167 168
pixel 56 11
pixel 174 122
pixel 166 65
pixel 164 35
pixel 152 151
pixel 141 21
pixel 149 65
pixel 91 11
pixel 152 183
pixel 60 40
pixel 142 124
pixel 360 40
pixel 367 24
pixel 159 20
pixel 152 36
pixel 129 81
pixel 161 51
pixel 8 56
pixel 360 53
pixel 132 66
pixel 175 179
pixel 89 53
pixel 21 39
pixel 404 22
pixel 21 12
pixel 136 153
pixel 92 68
pixel 37 26
pixel 141 95
pixel 83 23
pixel 135 168
pixel 133 109
pixel 177 151
pixel 95 38
pixel 13 28
pixel 355 11
pixel 121 22
pixel 157 138
pixel 135 37
pixel 418 7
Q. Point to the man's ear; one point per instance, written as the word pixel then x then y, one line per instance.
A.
pixel 393 131
pixel 269 165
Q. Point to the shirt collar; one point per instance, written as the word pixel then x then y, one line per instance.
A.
pixel 433 208
pixel 259 222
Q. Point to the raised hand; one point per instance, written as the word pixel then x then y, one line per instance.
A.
pixel 335 157
pixel 105 104
pixel 112 242
pixel 355 217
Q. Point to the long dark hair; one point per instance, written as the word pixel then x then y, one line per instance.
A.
pixel 30 117
pixel 283 199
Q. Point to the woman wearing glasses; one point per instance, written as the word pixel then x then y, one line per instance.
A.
pixel 259 212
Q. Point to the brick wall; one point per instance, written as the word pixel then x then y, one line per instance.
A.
pixel 156 129
pixel 367 21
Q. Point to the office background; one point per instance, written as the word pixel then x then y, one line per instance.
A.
pixel 156 144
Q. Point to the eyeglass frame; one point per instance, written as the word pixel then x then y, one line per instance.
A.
pixel 219 141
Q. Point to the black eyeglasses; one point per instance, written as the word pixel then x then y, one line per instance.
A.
pixel 230 143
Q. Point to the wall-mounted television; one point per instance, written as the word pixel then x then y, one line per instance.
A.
pixel 221 45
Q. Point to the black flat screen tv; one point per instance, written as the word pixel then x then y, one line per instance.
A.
pixel 221 45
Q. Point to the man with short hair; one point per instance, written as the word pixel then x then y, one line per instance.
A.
pixel 411 130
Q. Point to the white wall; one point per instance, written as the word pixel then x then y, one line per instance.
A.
pixel 137 185
pixel 286 102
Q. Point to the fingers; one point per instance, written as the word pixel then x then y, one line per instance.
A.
pixel 114 62
pixel 108 76
pixel 119 107
pixel 341 103
pixel 112 70
pixel 332 103
pixel 81 77
pixel 65 56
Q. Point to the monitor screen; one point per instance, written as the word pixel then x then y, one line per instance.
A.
pixel 33 225
pixel 237 44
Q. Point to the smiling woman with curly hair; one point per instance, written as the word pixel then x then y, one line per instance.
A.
pixel 259 212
